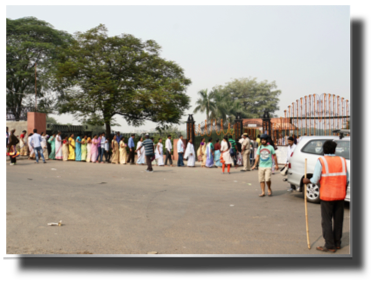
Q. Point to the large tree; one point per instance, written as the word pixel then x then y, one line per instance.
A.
pixel 255 97
pixel 120 75
pixel 205 103
pixel 29 42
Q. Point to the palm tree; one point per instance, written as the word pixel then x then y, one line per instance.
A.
pixel 205 103
pixel 220 109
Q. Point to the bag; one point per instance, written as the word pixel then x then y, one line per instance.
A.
pixel 284 171
pixel 231 152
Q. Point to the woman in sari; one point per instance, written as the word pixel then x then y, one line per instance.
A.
pixel 94 149
pixel 225 157
pixel 210 154
pixel 72 148
pixel 217 147
pixel 115 150
pixel 44 145
pixel 122 151
pixel 78 149
pixel 159 153
pixel 190 154
pixel 23 145
pixel 65 150
pixel 52 141
pixel 31 149
pixel 83 148
pixel 202 153
pixel 140 153
pixel 58 145
pixel 88 149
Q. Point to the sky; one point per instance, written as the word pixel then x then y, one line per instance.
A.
pixel 304 49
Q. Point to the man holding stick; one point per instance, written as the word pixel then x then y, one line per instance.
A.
pixel 332 174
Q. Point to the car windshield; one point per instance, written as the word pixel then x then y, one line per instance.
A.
pixel 314 147
pixel 343 149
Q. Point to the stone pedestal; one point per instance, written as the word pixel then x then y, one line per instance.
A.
pixel 36 121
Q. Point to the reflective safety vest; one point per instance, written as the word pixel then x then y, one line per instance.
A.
pixel 333 178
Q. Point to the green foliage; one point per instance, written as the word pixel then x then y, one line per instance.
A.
pixel 205 103
pixel 120 75
pixel 29 42
pixel 249 98
pixel 51 120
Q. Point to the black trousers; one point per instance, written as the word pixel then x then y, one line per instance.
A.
pixel 13 160
pixel 168 157
pixel 332 217
pixel 148 161
pixel 131 157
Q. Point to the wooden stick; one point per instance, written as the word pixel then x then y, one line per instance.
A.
pixel 306 209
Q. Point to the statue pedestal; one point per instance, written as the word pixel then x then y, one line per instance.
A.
pixel 36 121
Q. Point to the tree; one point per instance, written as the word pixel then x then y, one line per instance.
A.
pixel 120 75
pixel 205 103
pixel 51 120
pixel 31 42
pixel 255 97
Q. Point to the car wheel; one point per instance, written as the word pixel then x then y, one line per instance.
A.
pixel 312 193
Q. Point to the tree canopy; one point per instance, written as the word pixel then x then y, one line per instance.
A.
pixel 105 76
pixel 29 42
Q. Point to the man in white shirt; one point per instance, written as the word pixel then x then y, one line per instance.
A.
pixel 103 139
pixel 180 150
pixel 106 153
pixel 290 149
pixel 168 150
pixel 36 144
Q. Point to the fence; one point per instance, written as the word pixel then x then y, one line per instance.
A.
pixel 214 130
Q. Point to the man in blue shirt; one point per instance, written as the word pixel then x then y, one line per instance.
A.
pixel 119 136
pixel 149 151
pixel 36 143
pixel 131 146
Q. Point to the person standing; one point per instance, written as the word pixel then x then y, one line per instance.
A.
pixel 264 154
pixel 94 150
pixel 36 143
pixel 159 153
pixel 99 149
pixel 190 154
pixel 103 139
pixel 147 144
pixel 217 147
pixel 78 149
pixel 118 137
pixel 332 175
pixel 245 152
pixel 225 157
pixel 65 148
pixel 168 150
pixel 58 146
pixel 84 149
pixel 72 148
pixel 131 146
pixel 122 151
pixel 31 150
pixel 88 149
pixel 202 153
pixel 107 149
pixel 44 145
pixel 12 142
pixel 141 153
pixel 7 133
pixel 233 149
pixel 52 142
pixel 115 150
pixel 210 154
pixel 180 150
pixel 23 146
pixel 290 149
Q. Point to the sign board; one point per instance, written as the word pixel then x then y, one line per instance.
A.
pixel 252 125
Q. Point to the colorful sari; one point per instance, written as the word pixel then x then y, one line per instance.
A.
pixel 202 154
pixel 88 150
pixel 58 147
pixel 94 150
pixel 115 150
pixel 65 150
pixel 209 155
pixel 52 142
pixel 78 148
pixel 23 146
pixel 122 153
pixel 44 147
pixel 72 148
pixel 84 150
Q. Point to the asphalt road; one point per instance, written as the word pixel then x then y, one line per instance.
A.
pixel 115 209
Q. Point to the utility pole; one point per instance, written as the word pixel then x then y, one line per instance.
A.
pixel 35 85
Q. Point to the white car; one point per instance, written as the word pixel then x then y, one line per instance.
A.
pixel 310 147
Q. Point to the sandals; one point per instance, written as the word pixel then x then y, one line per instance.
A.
pixel 261 195
pixel 324 249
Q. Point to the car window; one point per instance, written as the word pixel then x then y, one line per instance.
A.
pixel 343 149
pixel 314 147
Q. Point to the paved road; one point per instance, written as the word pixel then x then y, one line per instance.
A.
pixel 114 209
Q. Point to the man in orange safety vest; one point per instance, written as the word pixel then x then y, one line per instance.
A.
pixel 332 175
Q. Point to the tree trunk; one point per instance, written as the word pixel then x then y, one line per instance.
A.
pixel 108 129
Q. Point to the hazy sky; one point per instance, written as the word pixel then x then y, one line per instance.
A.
pixel 305 49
